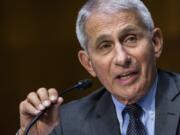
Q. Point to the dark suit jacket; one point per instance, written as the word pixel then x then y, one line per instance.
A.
pixel 96 115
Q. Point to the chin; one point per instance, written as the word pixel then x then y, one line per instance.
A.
pixel 130 97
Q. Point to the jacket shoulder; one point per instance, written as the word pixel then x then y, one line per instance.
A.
pixel 83 105
pixel 171 76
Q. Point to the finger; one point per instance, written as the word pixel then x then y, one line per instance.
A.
pixel 33 99
pixel 28 108
pixel 58 103
pixel 53 95
pixel 60 100
pixel 44 97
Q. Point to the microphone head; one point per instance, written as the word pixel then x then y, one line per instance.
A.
pixel 84 84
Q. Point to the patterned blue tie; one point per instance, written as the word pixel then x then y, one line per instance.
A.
pixel 135 126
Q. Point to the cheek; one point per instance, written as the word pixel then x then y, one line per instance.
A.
pixel 101 64
pixel 102 68
pixel 145 56
pixel 147 62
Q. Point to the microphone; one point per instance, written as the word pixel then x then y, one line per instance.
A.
pixel 81 85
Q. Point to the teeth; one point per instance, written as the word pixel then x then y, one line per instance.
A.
pixel 125 77
pixel 126 74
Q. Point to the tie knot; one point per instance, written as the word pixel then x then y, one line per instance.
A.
pixel 133 109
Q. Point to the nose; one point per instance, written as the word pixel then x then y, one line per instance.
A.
pixel 121 56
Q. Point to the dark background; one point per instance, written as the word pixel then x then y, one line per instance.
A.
pixel 38 47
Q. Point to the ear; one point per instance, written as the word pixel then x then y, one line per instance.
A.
pixel 86 62
pixel 157 40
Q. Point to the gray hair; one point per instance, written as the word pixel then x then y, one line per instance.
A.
pixel 110 6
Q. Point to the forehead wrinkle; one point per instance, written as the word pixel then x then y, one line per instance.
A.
pixel 116 18
pixel 128 29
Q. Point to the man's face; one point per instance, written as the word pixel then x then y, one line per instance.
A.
pixel 122 54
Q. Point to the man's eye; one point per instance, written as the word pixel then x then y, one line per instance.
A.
pixel 105 46
pixel 131 39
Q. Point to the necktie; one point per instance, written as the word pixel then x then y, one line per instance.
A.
pixel 135 126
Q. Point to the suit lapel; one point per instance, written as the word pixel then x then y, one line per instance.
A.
pixel 167 110
pixel 104 120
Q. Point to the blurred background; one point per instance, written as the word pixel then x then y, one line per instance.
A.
pixel 38 47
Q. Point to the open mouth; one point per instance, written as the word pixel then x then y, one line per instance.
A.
pixel 127 77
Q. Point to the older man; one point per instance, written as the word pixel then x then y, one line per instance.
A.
pixel 120 47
